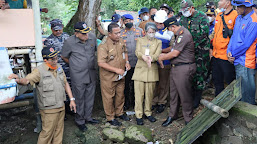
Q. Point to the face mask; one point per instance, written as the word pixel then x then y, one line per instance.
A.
pixel 223 9
pixel 99 18
pixel 129 25
pixel 186 13
pixel 210 19
pixel 151 35
pixel 119 24
pixel 145 18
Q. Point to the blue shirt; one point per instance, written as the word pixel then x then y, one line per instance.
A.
pixel 242 44
pixel 211 28
pixel 165 38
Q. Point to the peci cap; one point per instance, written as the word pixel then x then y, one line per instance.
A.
pixel 82 27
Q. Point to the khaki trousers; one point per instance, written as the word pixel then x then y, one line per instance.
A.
pixel 162 90
pixel 113 98
pixel 143 90
pixel 52 126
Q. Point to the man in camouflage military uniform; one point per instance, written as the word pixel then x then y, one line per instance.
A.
pixel 56 40
pixel 198 25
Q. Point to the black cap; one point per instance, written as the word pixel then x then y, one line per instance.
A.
pixel 165 6
pixel 210 12
pixel 171 9
pixel 49 52
pixel 209 4
pixel 170 21
pixel 82 27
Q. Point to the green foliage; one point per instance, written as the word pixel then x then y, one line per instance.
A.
pixel 57 9
pixel 109 6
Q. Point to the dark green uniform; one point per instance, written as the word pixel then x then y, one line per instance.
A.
pixel 199 28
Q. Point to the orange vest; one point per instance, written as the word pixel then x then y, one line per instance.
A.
pixel 219 43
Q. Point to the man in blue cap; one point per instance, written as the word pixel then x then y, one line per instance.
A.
pixel 144 15
pixel 116 18
pixel 242 46
pixel 130 34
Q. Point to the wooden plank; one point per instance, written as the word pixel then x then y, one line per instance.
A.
pixel 206 118
pixel 16 28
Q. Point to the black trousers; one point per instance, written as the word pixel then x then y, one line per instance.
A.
pixel 129 89
pixel 222 70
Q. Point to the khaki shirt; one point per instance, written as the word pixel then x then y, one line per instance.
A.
pixel 185 45
pixel 113 54
pixel 34 76
pixel 142 71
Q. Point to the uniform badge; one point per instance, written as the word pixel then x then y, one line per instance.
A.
pixel 181 32
pixel 216 21
pixel 179 39
pixel 243 26
pixel 59 69
pixel 51 50
pixel 84 26
pixel 111 57
pixel 230 21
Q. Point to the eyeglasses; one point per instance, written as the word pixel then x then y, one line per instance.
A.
pixel 53 59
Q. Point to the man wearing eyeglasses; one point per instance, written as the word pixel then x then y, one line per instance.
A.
pixel 56 40
pixel 198 25
pixel 79 52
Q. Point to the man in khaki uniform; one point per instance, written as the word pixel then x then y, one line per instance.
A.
pixel 183 67
pixel 112 62
pixel 51 85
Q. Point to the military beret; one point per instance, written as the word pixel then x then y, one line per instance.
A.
pixel 128 16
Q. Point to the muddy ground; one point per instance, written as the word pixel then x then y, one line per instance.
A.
pixel 17 126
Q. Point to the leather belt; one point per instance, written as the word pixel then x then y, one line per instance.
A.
pixel 179 64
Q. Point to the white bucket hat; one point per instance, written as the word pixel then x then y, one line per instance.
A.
pixel 160 16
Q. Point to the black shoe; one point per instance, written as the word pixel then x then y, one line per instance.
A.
pixel 167 122
pixel 125 108
pixel 65 117
pixel 151 119
pixel 140 121
pixel 82 127
pixel 160 108
pixel 154 106
pixel 124 117
pixel 114 122
pixel 93 121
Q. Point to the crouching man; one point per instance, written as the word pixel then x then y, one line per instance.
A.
pixel 51 84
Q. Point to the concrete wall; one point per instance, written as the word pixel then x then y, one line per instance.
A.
pixel 239 128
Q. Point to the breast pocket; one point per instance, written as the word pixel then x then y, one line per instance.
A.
pixel 48 92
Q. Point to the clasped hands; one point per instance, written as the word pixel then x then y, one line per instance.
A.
pixel 148 60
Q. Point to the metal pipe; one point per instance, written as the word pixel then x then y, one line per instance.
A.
pixel 20 51
pixel 24 96
pixel 16 104
pixel 38 34
pixel 224 113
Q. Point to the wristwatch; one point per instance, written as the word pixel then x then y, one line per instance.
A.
pixel 72 99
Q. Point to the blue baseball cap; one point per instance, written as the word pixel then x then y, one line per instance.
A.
pixel 144 10
pixel 116 18
pixel 246 3
pixel 128 16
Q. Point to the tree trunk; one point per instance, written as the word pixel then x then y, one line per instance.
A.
pixel 87 11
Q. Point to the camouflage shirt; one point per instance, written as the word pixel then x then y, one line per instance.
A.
pixel 57 43
pixel 198 26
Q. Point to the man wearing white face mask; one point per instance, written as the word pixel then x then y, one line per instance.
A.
pixel 198 25
pixel 144 14
pixel 211 17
